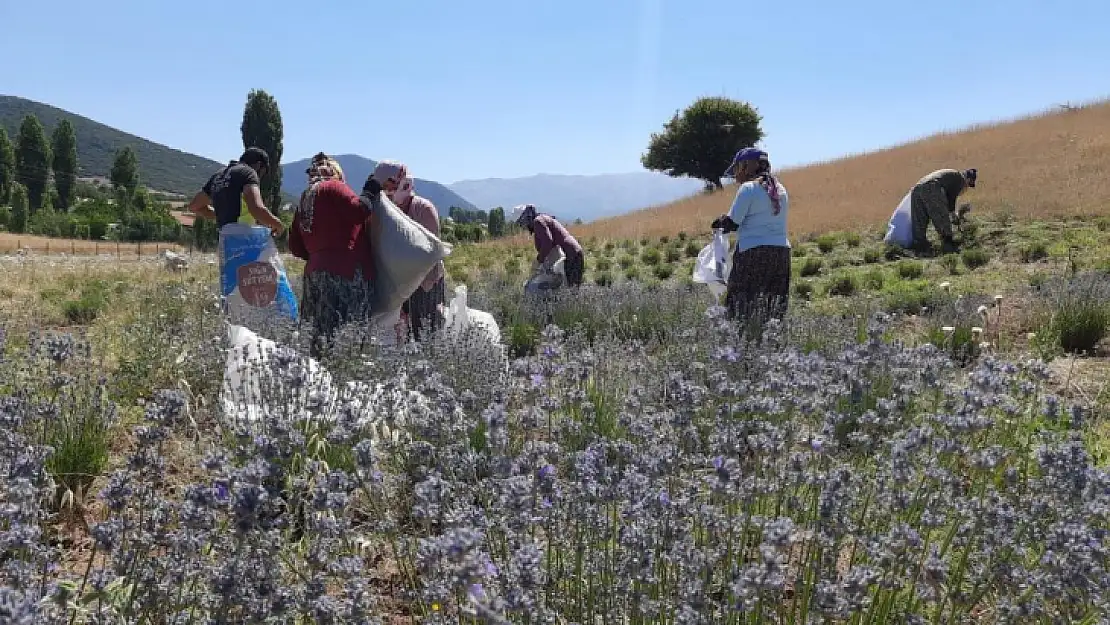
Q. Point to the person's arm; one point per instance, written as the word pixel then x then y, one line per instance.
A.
pixel 296 243
pixel 543 240
pixel 201 206
pixel 741 204
pixel 253 196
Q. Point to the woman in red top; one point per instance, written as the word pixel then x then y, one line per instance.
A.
pixel 330 232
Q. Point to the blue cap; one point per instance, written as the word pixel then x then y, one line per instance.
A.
pixel 746 154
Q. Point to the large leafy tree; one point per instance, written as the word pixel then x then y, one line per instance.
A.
pixel 700 141
pixel 262 128
pixel 7 166
pixel 125 171
pixel 32 161
pixel 64 150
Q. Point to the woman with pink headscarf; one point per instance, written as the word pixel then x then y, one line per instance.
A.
pixel 423 307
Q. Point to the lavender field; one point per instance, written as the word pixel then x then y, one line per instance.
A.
pixel 930 446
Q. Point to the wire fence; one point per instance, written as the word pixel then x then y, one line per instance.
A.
pixel 124 250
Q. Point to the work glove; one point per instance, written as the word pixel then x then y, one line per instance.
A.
pixel 724 222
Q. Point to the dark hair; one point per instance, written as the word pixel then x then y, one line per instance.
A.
pixel 255 156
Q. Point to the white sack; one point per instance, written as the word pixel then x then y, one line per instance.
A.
pixel 714 264
pixel 900 229
pixel 475 333
pixel 543 280
pixel 404 252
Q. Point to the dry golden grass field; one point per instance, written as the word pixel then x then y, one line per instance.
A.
pixel 1049 164
pixel 11 243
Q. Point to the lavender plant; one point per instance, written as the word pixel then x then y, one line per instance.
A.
pixel 643 464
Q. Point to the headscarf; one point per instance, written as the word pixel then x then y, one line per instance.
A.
pixel 397 173
pixel 403 192
pixel 970 175
pixel 321 169
pixel 523 214
pixel 763 174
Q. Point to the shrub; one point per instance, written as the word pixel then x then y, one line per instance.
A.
pixel 1033 251
pixel 907 297
pixel 872 255
pixel 852 239
pixel 843 285
pixel 610 246
pixel 513 266
pixel 910 269
pixel 874 279
pixel 673 255
pixel 603 264
pixel 975 257
pixel 632 273
pixel 692 250
pixel 799 251
pixel 663 271
pixel 644 242
pixel 826 243
pixel 1079 325
pixel 811 267
pixel 803 289
pixel 663 240
pixel 1102 224
pixel 650 256
pixel 892 252
pixel 682 236
pixel 85 309
pixel 626 261
pixel 603 278
pixel 951 263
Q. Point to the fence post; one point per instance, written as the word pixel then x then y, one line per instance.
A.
pixel 139 250
pixel 119 253
pixel 72 247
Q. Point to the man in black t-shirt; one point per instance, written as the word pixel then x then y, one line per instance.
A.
pixel 225 192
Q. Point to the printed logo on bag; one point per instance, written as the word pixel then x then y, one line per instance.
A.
pixel 258 283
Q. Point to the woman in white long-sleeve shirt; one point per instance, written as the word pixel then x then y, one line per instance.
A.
pixel 759 282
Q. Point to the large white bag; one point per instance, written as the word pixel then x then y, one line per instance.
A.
pixel 543 280
pixel 461 319
pixel 900 229
pixel 404 252
pixel 254 386
pixel 714 264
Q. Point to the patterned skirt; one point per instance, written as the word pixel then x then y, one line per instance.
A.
pixel 423 310
pixel 759 284
pixel 330 301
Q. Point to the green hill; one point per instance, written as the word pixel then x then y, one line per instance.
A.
pixel 161 168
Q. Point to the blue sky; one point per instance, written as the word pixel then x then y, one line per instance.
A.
pixel 499 88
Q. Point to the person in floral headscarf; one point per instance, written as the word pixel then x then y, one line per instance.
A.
pixel 423 306
pixel 330 232
pixel 759 281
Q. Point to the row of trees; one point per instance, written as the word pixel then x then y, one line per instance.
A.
pixel 40 193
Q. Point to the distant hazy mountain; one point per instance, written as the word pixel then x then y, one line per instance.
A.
pixel 356 169
pixel 578 197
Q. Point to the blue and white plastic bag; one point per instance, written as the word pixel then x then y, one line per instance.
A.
pixel 255 288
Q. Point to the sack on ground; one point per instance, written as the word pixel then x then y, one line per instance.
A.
pixel 900 229
pixel 714 264
pixel 476 334
pixel 542 280
pixel 266 383
pixel 404 252
pixel 263 380
pixel 255 288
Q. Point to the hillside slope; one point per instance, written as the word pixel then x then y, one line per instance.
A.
pixel 356 169
pixel 160 167
pixel 1054 163
pixel 578 197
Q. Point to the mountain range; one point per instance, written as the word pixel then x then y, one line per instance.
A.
pixel 578 197
pixel 166 169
